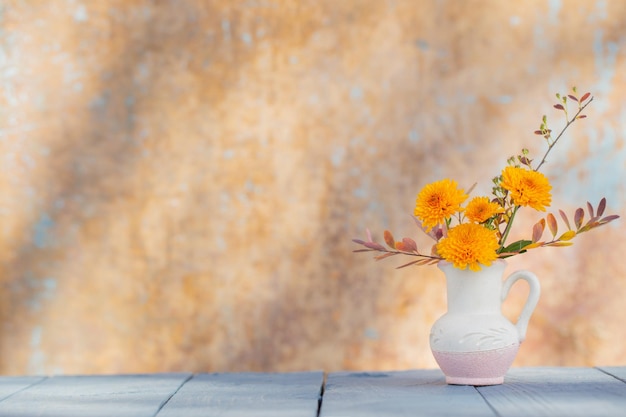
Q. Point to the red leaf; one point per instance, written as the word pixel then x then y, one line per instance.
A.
pixel 578 217
pixel 585 97
pixel 385 255
pixel 559 107
pixel 538 132
pixel 565 219
pixel 552 224
pixel 590 209
pixel 409 264
pixel 409 245
pixel 389 240
pixel 538 231
pixel 582 116
pixel 573 98
pixel 593 220
pixel 359 241
pixel 601 207
pixel 610 218
pixel 374 245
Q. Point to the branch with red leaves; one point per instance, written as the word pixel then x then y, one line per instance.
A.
pixel 406 246
pixel 596 219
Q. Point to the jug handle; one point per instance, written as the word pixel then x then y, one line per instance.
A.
pixel 531 301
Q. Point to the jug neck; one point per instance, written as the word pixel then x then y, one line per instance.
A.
pixel 476 292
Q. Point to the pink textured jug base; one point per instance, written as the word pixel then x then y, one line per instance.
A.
pixel 485 367
pixel 479 382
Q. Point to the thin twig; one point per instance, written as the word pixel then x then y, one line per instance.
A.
pixel 569 122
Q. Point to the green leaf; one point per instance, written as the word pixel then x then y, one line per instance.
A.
pixel 516 247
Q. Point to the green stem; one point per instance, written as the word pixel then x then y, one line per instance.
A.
pixel 507 230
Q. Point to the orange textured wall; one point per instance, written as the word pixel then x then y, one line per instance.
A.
pixel 180 180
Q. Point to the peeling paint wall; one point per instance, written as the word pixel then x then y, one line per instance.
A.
pixel 180 180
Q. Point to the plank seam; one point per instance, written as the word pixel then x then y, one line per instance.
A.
pixel 610 374
pixel 320 399
pixel 495 412
pixel 173 394
pixel 25 388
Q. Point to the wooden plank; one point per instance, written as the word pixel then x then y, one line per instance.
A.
pixel 557 392
pixel 92 396
pixel 248 394
pixel 406 393
pixel 617 371
pixel 9 385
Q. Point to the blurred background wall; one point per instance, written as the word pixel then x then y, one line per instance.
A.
pixel 180 180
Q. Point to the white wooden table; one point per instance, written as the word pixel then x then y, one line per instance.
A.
pixel 526 392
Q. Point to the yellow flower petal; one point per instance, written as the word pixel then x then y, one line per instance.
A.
pixel 469 245
pixel 437 201
pixel 527 188
pixel 480 209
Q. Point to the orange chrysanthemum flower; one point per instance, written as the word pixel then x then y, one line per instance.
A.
pixel 438 201
pixel 480 209
pixel 469 244
pixel 527 188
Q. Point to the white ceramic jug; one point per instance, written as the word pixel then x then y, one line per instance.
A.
pixel 473 343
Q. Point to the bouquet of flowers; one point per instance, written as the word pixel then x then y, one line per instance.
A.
pixel 476 234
